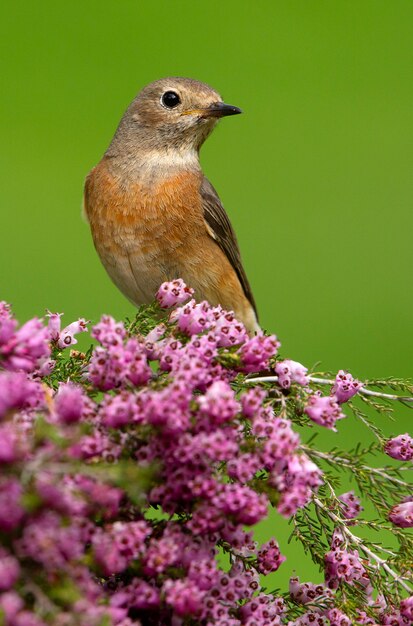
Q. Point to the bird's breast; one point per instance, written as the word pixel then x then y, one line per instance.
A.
pixel 143 230
pixel 131 213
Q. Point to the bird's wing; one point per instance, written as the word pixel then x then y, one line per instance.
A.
pixel 220 229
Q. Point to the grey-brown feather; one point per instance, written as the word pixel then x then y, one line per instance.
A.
pixel 222 232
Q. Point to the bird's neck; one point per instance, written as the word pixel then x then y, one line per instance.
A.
pixel 152 164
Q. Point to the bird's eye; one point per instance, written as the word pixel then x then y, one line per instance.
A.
pixel 170 99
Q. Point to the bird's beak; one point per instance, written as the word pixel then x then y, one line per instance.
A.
pixel 216 109
pixel 220 109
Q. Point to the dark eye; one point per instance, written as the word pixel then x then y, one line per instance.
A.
pixel 170 99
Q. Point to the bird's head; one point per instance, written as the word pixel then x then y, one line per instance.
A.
pixel 173 114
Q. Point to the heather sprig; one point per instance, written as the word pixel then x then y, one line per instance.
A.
pixel 128 469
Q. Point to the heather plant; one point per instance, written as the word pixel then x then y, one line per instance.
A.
pixel 133 475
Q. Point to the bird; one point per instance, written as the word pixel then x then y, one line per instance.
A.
pixel 153 214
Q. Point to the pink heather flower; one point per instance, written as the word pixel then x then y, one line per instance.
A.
pixel 323 410
pixel 296 481
pixel 51 543
pixel 22 350
pixel 394 618
pixel 309 593
pixel 241 503
pixel 269 557
pixel 10 602
pixel 18 392
pixel 66 337
pixel 351 506
pixel 338 618
pixel 244 467
pixel 400 447
pixel 108 332
pixel 219 403
pixel 118 545
pixel 262 609
pixel 9 570
pixel 310 619
pixel 252 400
pixel 406 608
pixel 343 565
pixel 119 365
pixel 227 330
pixel 291 372
pixel 256 352
pixel 69 403
pixel 12 446
pixel 11 510
pixel 184 597
pixel 402 514
pixel 193 318
pixel 172 293
pixel 153 342
pixel 345 386
pixel 5 310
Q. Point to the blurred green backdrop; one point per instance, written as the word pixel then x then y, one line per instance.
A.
pixel 316 175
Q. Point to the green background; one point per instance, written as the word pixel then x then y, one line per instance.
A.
pixel 316 175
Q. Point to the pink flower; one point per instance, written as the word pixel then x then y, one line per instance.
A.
pixel 343 565
pixel 11 510
pixel 309 593
pixel 66 337
pixel 184 597
pixel 256 352
pixel 338 618
pixel 23 349
pixel 400 447
pixel 324 410
pixel 172 293
pixel 108 332
pixel 406 608
pixel 291 372
pixel 351 506
pixel 9 570
pixel 402 514
pixel 69 403
pixel 345 386
pixel 269 557
pixel 219 403
pixel 18 392
pixel 193 318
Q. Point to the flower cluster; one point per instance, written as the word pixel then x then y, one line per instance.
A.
pixel 128 472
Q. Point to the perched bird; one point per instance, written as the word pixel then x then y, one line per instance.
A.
pixel 153 214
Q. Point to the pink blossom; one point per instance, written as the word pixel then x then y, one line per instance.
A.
pixel 172 293
pixel 343 565
pixel 69 403
pixel 108 332
pixel 256 352
pixel 406 608
pixel 345 386
pixel 402 514
pixel 18 392
pixel 9 570
pixel 184 596
pixel 309 593
pixel 400 447
pixel 218 403
pixel 291 372
pixel 66 337
pixel 22 349
pixel 11 509
pixel 269 557
pixel 351 506
pixel 338 618
pixel 324 410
